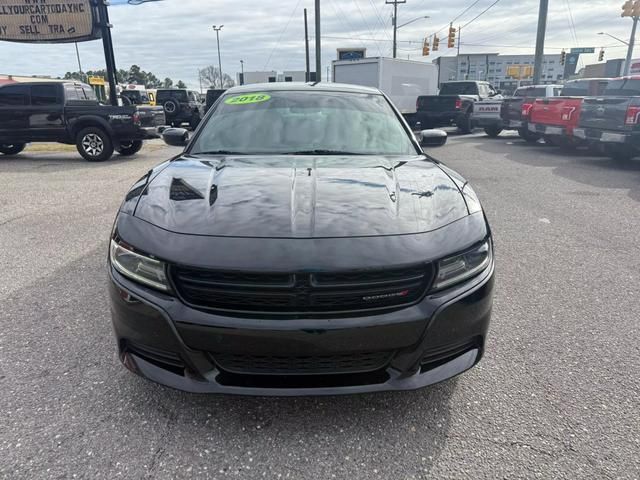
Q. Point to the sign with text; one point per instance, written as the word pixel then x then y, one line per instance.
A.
pixel 48 21
pixel 583 50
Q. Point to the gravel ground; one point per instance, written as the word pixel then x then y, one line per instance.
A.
pixel 556 395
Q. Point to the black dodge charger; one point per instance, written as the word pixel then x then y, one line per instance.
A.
pixel 302 244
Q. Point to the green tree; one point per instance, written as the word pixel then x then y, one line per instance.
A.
pixel 167 83
pixel 181 84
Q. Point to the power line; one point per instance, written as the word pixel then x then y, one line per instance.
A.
pixel 367 25
pixel 345 22
pixel 457 17
pixel 480 14
pixel 281 35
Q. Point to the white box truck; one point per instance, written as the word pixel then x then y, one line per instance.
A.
pixel 401 80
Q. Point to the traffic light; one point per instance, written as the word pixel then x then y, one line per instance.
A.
pixel 451 41
pixel 627 9
pixel 563 57
pixel 425 48
pixel 436 43
pixel 601 56
pixel 636 9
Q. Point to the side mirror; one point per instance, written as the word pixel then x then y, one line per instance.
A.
pixel 433 138
pixel 176 137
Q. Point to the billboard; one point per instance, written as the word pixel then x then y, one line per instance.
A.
pixel 48 21
pixel 351 53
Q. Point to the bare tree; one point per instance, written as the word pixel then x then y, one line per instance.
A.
pixel 210 78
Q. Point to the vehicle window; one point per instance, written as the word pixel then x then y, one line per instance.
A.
pixel 180 95
pixel 193 97
pixel 576 89
pixel 14 95
pixel 44 95
pixel 291 121
pixel 531 92
pixel 89 94
pixel 461 88
pixel 622 87
pixel 601 87
pixel 557 91
pixel 71 93
pixel 483 90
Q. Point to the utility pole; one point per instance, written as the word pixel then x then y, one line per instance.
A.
pixel 241 72
pixel 217 29
pixel 395 23
pixel 630 9
pixel 79 64
pixel 458 56
pixel 318 45
pixel 109 57
pixel 542 30
pixel 306 46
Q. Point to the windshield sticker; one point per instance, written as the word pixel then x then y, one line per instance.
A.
pixel 248 99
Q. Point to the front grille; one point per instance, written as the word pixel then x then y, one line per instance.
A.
pixel 302 365
pixel 301 293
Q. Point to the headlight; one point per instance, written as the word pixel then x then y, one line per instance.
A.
pixel 461 267
pixel 138 267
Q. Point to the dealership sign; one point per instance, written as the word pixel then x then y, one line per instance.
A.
pixel 48 21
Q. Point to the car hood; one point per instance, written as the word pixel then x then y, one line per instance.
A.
pixel 301 196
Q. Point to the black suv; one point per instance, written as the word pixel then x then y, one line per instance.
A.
pixel 213 94
pixel 69 112
pixel 181 106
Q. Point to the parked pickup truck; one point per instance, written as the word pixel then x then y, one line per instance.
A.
pixel 515 111
pixel 613 119
pixel 454 105
pixel 555 118
pixel 69 112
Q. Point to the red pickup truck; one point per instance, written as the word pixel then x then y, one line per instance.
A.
pixel 555 118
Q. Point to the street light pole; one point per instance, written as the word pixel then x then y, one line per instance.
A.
pixel 395 23
pixel 241 72
pixel 217 29
pixel 632 42
pixel 614 37
pixel 318 45
pixel 542 30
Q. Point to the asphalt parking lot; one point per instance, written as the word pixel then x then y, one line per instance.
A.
pixel 556 396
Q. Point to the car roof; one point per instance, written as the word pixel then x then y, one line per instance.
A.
pixel 303 87
pixel 52 82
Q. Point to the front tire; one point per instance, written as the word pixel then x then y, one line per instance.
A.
pixel 94 144
pixel 528 136
pixel 127 149
pixel 464 123
pixel 12 148
pixel 493 132
pixel 194 122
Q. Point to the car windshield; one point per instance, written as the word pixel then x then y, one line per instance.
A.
pixel 288 122
pixel 469 88
pixel 623 87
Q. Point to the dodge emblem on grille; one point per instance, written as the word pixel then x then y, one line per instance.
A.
pixel 370 298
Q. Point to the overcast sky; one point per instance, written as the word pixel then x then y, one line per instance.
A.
pixel 174 37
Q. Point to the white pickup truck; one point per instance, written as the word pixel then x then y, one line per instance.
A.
pixel 487 114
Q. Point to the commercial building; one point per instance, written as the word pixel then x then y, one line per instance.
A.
pixel 272 76
pixel 494 68
pixel 608 69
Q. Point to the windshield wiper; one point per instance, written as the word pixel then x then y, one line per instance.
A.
pixel 322 152
pixel 219 152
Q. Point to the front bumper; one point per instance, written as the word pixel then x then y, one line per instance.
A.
pixel 164 340
pixel 487 122
pixel 603 136
pixel 149 133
